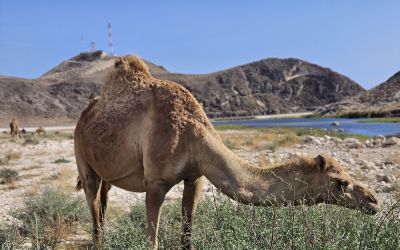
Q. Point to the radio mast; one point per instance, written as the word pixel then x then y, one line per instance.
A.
pixel 110 43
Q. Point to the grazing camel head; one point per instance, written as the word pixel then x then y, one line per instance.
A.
pixel 333 185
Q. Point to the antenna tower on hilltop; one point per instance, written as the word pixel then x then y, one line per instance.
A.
pixel 110 43
pixel 92 46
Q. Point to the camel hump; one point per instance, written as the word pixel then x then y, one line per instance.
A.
pixel 133 63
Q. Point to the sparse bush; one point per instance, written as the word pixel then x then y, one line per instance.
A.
pixel 32 140
pixel 61 160
pixel 10 156
pixel 229 144
pixel 59 136
pixel 271 146
pixel 9 237
pixel 8 175
pixel 228 225
pixel 49 217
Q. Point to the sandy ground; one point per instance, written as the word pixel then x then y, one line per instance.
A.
pixel 51 162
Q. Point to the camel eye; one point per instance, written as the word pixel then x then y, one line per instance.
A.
pixel 342 184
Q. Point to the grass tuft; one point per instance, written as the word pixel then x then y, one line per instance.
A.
pixel 31 141
pixel 382 120
pixel 8 176
pixel 9 157
pixel 224 224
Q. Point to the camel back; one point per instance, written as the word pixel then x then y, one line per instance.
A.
pixel 125 96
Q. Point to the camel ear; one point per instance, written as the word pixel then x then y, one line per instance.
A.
pixel 321 162
pixel 118 62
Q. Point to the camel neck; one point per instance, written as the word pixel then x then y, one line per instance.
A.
pixel 248 183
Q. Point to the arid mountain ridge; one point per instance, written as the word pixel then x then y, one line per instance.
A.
pixel 383 100
pixel 269 86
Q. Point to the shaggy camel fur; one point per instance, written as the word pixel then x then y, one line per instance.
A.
pixel 146 135
pixel 14 128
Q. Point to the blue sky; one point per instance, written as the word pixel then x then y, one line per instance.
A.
pixel 360 39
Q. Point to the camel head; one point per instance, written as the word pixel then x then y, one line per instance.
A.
pixel 332 184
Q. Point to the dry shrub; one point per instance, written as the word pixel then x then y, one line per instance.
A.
pixel 65 178
pixel 261 139
pixel 51 216
pixel 8 176
pixel 9 157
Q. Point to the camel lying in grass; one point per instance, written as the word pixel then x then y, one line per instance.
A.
pixel 146 135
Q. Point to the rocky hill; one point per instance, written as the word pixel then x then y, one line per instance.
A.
pixel 384 99
pixel 264 87
pixel 268 86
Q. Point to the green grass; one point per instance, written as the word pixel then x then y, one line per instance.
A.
pixel 381 120
pixel 228 225
pixel 365 114
pixel 232 127
pixel 314 116
pixel 219 223
pixel 10 237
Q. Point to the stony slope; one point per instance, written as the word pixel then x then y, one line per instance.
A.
pixel 266 86
pixel 383 99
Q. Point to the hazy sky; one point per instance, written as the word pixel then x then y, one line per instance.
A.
pixel 360 39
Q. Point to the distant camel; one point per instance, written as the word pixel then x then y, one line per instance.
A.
pixel 147 135
pixel 40 131
pixel 23 131
pixel 14 130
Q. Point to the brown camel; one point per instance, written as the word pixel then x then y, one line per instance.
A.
pixel 146 135
pixel 40 130
pixel 14 130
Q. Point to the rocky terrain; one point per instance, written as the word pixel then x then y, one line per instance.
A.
pixel 265 87
pixel 46 162
pixel 384 99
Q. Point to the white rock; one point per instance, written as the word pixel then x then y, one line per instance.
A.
pixel 391 141
pixel 353 143
pixel 351 140
pixel 336 139
pixel 384 178
pixel 351 161
pixel 380 137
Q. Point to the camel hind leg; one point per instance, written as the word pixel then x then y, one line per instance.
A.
pixel 96 196
pixel 105 187
pixel 191 197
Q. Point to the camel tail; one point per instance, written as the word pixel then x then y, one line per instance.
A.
pixel 78 184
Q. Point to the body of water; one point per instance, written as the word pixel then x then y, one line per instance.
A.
pixel 349 126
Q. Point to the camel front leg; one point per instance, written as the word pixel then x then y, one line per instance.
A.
pixel 191 197
pixel 155 195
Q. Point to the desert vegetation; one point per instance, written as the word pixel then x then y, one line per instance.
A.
pixel 366 114
pixel 383 119
pixel 53 215
pixel 49 214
